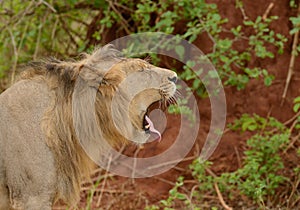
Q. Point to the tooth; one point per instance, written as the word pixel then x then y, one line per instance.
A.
pixel 147 126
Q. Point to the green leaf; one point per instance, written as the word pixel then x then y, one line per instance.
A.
pixel 213 74
pixel 190 63
pixel 296 107
pixel 268 80
pixel 296 104
pixel 179 49
pixel 248 23
pixel 180 196
pixel 294 30
pixel 252 127
pixel 100 4
pixel 295 20
pixel 173 191
pixel 164 202
pixel 249 124
pixel 297 100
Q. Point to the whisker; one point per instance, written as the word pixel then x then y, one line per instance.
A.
pixel 171 100
pixel 165 103
pixel 178 94
pixel 160 104
pixel 167 98
pixel 175 101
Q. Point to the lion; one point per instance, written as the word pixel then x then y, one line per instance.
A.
pixel 41 156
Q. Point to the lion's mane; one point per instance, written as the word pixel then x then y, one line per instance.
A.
pixel 71 160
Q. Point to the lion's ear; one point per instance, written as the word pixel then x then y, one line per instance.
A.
pixel 113 77
pixel 104 58
pixel 96 65
pixel 91 76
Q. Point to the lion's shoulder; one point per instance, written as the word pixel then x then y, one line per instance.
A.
pixel 26 96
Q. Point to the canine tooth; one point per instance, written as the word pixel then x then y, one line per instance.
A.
pixel 147 126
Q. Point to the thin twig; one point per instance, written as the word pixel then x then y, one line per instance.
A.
pixel 211 172
pixel 93 180
pixel 74 19
pixel 293 126
pixel 291 144
pixel 210 36
pixel 54 31
pixel 115 191
pixel 292 63
pixel 124 7
pixel 171 162
pixel 192 194
pixel 104 181
pixel 238 157
pixel 38 40
pixel 23 36
pixel 295 202
pixel 268 10
pixel 120 152
pixel 14 67
pixel 64 207
pixel 49 6
pixel 123 21
pixel 15 20
pixel 67 30
pixel 135 162
pixel 292 119
pixel 221 197
pixel 164 181
pixel 243 11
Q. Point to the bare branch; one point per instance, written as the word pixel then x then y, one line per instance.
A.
pixel 38 39
pixel 104 181
pixel 48 5
pixel 292 63
pixel 16 19
pixel 14 67
pixel 124 23
pixel 271 5
pixel 75 19
pixel 67 30
pixel 221 197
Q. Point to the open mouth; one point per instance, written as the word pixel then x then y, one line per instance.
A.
pixel 149 128
pixel 148 125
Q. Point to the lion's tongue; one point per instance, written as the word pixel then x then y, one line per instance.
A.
pixel 152 129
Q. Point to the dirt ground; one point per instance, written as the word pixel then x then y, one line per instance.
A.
pixel 124 193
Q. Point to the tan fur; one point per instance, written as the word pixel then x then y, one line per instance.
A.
pixel 44 160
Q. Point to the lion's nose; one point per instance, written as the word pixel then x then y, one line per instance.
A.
pixel 172 79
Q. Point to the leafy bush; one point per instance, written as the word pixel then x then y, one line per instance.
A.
pixel 259 175
pixel 258 178
pixel 31 28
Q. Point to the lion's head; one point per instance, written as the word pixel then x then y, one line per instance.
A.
pixel 141 84
pixel 124 89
